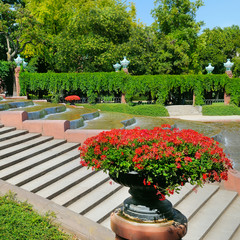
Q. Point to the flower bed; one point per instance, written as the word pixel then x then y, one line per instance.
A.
pixel 171 157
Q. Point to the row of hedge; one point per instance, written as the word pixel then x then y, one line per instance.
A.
pixel 92 85
pixel 6 75
pixel 218 110
pixel 154 110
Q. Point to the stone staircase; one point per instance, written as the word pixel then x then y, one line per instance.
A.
pixel 50 168
pixel 183 110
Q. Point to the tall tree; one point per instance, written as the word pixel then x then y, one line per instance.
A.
pixel 176 27
pixel 16 27
pixel 80 35
pixel 218 44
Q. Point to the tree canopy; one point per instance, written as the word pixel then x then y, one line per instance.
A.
pixel 92 35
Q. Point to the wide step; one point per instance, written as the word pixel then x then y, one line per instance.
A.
pixel 228 223
pixel 50 168
pixel 207 216
pixel 17 140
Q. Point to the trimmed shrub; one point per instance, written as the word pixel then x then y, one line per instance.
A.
pixel 93 85
pixel 214 110
pixel 155 110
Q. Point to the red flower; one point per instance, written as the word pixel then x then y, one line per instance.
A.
pixel 204 176
pixel 72 98
pixel 176 156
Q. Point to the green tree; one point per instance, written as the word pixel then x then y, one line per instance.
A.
pixel 80 35
pixel 177 30
pixel 16 27
pixel 217 45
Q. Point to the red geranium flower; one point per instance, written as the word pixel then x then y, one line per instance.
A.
pixel 72 98
pixel 174 157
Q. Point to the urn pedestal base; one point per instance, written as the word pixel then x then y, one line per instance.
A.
pixel 130 230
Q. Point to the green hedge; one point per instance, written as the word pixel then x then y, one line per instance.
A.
pixel 214 110
pixel 93 85
pixel 155 110
pixel 6 75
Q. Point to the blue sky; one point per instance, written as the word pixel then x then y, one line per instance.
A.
pixel 215 13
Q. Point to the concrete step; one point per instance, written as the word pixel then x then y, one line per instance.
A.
pixel 101 212
pixel 194 201
pixel 180 110
pixel 51 177
pixel 11 134
pixel 22 146
pixel 52 170
pixel 175 199
pixel 236 235
pixel 228 223
pixel 93 198
pixel 4 130
pixel 41 148
pixel 66 183
pixel 44 168
pixel 209 214
pixel 77 186
pixel 17 140
pixel 29 163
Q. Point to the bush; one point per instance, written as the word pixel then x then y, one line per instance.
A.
pixel 220 110
pixel 155 110
pixel 156 87
pixel 6 76
pixel 19 221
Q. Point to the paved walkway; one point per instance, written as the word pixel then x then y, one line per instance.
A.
pixel 202 118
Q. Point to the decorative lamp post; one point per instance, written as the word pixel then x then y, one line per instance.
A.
pixel 209 68
pixel 24 63
pixel 18 60
pixel 16 85
pixel 228 65
pixel 117 66
pixel 124 62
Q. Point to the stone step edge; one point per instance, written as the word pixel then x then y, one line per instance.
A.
pixel 57 144
pixel 16 134
pixel 47 170
pixel 20 141
pixel 101 200
pixel 39 188
pixel 224 210
pixel 67 204
pixel 70 185
pixel 6 129
pixel 24 148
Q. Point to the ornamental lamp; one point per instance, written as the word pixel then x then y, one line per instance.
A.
pixel 124 62
pixel 117 67
pixel 24 64
pixel 228 65
pixel 209 68
pixel 18 60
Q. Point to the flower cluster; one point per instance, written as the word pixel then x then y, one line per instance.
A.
pixel 163 157
pixel 72 98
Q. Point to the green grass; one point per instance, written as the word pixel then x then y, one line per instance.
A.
pixel 18 220
pixel 154 110
pixel 220 110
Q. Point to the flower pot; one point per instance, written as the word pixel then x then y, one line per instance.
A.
pixel 144 204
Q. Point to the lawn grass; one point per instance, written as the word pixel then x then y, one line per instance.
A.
pixel 18 220
pixel 220 110
pixel 154 110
